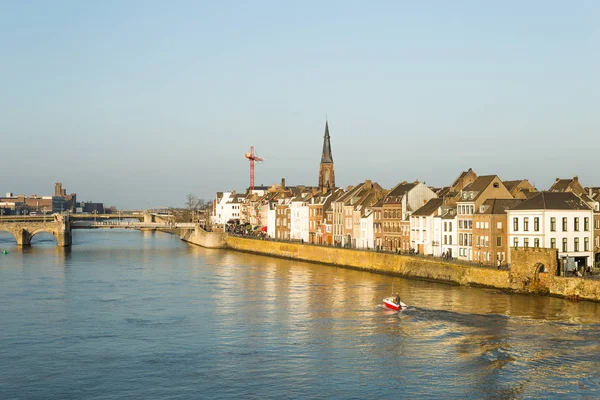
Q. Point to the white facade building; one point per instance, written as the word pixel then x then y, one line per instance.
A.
pixel 366 238
pixel 421 226
pixel 226 207
pixel 558 220
pixel 271 218
pixel 445 227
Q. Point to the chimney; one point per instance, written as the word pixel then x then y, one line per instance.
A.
pixel 368 184
pixel 576 178
pixel 557 179
pixel 590 192
pixel 283 183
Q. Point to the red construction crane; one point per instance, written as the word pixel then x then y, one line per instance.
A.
pixel 252 157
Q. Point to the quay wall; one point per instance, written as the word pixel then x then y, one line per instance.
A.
pixel 387 263
pixel 212 240
pixel 526 274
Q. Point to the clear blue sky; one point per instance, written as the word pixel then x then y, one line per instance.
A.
pixel 137 103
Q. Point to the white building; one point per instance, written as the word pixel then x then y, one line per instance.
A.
pixel 227 207
pixel 449 233
pixel 366 239
pixel 558 220
pixel 271 218
pixel 422 226
pixel 299 212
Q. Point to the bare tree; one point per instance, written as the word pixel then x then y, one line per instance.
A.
pixel 191 202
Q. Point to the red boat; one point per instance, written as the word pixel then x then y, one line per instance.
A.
pixel 390 302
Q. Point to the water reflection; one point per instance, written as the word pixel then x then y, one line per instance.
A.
pixel 150 314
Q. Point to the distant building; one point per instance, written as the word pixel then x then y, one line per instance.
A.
pixel 91 208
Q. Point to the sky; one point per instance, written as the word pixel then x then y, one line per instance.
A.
pixel 138 103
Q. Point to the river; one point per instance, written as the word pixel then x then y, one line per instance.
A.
pixel 142 315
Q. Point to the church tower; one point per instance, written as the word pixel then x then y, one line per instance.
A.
pixel 326 174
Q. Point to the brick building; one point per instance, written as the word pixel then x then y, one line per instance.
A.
pixel 490 230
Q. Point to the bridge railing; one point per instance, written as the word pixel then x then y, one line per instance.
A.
pixel 132 224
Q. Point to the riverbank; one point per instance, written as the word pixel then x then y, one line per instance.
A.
pixel 532 269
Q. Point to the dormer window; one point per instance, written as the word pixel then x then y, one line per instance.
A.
pixel 482 209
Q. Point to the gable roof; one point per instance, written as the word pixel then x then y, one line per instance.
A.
pixel 450 213
pixel 479 185
pixel 560 185
pixel 429 208
pixel 396 194
pixel 510 185
pixel 553 201
pixel 461 176
pixel 499 206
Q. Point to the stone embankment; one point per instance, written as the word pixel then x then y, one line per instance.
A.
pixel 533 270
pixel 212 240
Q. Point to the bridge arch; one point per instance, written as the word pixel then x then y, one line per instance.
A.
pixel 8 230
pixel 42 230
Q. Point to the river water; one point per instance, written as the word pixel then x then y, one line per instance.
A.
pixel 142 315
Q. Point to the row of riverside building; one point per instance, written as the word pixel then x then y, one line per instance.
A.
pixel 476 218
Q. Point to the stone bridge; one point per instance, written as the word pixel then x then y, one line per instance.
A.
pixel 23 231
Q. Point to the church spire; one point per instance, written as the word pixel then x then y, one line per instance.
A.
pixel 326 157
pixel 326 172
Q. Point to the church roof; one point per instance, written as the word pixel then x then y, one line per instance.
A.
pixel 326 157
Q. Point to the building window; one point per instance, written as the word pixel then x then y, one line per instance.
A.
pixel 499 241
pixel 516 243
pixel 553 224
pixel 586 244
pixel 536 224
pixel 564 224
pixel 450 225
pixel 597 224
pixel 470 239
pixel 515 224
pixel 586 224
pixel 526 242
pixel 536 242
pixel 526 224
pixel 496 185
pixel 553 243
pixel 498 225
pixel 576 244
pixel 460 239
pixel 564 249
pixel 449 239
pixel 576 224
